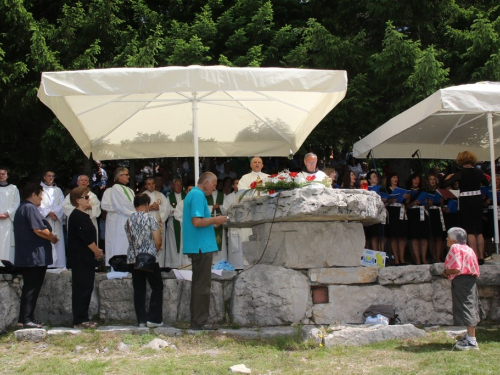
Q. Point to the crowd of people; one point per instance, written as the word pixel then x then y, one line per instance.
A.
pixel 94 221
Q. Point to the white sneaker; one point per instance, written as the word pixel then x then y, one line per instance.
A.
pixel 466 345
pixel 142 325
pixel 154 325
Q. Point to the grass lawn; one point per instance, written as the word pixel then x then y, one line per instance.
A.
pixel 211 353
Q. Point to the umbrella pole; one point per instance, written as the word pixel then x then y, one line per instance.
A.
pixel 195 139
pixel 489 117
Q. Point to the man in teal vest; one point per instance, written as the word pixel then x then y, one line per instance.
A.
pixel 199 243
pixel 173 253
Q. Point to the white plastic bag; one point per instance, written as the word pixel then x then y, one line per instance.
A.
pixel 379 319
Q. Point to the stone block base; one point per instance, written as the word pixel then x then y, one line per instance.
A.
pixel 306 245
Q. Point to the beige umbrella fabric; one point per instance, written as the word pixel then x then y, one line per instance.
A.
pixel 125 113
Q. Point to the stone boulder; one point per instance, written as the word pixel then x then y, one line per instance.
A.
pixel 306 245
pixel 33 335
pixel 405 275
pixel 343 275
pixel 489 274
pixel 9 304
pixel 307 204
pixel 369 334
pixel 270 296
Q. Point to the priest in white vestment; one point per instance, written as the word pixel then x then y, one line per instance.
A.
pixel 247 179
pixel 310 168
pixel 9 202
pixel 239 235
pixel 122 202
pixel 159 210
pixel 51 209
pixel 173 254
pixel 93 205
pixel 109 232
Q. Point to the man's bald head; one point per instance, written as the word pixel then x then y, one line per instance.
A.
pixel 256 164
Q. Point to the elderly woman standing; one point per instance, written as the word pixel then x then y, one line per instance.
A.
pixel 34 239
pixel 82 255
pixel 470 202
pixel 144 236
pixel 462 269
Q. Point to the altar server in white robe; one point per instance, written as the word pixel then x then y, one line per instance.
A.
pixel 185 261
pixel 247 179
pixel 122 201
pixel 173 242
pixel 51 209
pixel 109 232
pixel 234 235
pixel 159 210
pixel 9 202
pixel 93 205
pixel 310 168
pixel 215 202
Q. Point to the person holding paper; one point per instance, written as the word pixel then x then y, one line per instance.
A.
pixel 397 224
pixel 418 220
pixel 374 234
pixel 438 228
pixel 470 200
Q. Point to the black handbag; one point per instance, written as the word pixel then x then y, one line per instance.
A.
pixel 143 261
pixel 119 263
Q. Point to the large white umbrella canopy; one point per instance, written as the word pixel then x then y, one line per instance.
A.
pixel 451 120
pixel 127 113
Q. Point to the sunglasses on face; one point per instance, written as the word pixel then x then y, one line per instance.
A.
pixel 87 197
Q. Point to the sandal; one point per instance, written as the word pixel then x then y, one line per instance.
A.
pixel 86 325
pixel 31 325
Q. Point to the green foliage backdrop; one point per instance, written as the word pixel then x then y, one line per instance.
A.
pixel 396 52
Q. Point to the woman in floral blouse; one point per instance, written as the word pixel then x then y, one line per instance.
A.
pixel 143 235
pixel 462 269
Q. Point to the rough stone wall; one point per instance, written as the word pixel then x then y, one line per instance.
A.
pixel 269 295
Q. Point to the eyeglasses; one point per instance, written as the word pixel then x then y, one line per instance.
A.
pixel 124 174
pixel 87 197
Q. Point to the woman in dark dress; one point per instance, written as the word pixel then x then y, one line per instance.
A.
pixel 397 224
pixel 489 230
pixel 470 201
pixel 438 228
pixel 418 221
pixel 33 238
pixel 82 257
pixel 451 219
